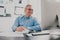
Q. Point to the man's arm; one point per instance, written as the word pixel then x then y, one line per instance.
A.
pixel 36 26
pixel 16 24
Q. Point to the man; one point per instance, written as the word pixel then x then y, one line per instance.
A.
pixel 26 21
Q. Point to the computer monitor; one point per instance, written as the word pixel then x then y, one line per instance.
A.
pixel 59 21
pixel 49 11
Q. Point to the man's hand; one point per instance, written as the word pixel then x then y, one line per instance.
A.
pixel 20 29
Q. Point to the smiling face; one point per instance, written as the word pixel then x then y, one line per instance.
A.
pixel 28 10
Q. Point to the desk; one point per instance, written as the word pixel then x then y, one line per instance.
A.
pixel 55 34
pixel 11 36
pixel 20 36
pixel 44 35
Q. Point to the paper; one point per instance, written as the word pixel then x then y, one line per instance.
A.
pixel 24 31
pixel 2 11
pixel 19 10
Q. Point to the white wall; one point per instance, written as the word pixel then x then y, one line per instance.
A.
pixel 7 22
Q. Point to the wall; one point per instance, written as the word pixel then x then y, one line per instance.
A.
pixel 7 22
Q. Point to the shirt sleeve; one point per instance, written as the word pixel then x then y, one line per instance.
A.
pixel 36 26
pixel 16 24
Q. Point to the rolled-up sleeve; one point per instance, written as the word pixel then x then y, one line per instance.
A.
pixel 36 26
pixel 16 24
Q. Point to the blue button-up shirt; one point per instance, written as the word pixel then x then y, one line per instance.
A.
pixel 30 22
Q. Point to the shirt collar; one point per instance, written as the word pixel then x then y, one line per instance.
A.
pixel 27 17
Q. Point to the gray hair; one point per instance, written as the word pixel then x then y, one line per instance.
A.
pixel 28 6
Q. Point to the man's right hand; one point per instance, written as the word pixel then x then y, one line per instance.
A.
pixel 19 29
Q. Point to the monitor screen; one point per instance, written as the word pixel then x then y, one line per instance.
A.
pixel 49 11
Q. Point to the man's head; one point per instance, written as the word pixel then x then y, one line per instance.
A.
pixel 28 10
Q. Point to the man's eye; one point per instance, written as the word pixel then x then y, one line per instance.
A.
pixel 30 9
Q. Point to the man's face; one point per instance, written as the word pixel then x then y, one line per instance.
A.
pixel 28 11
